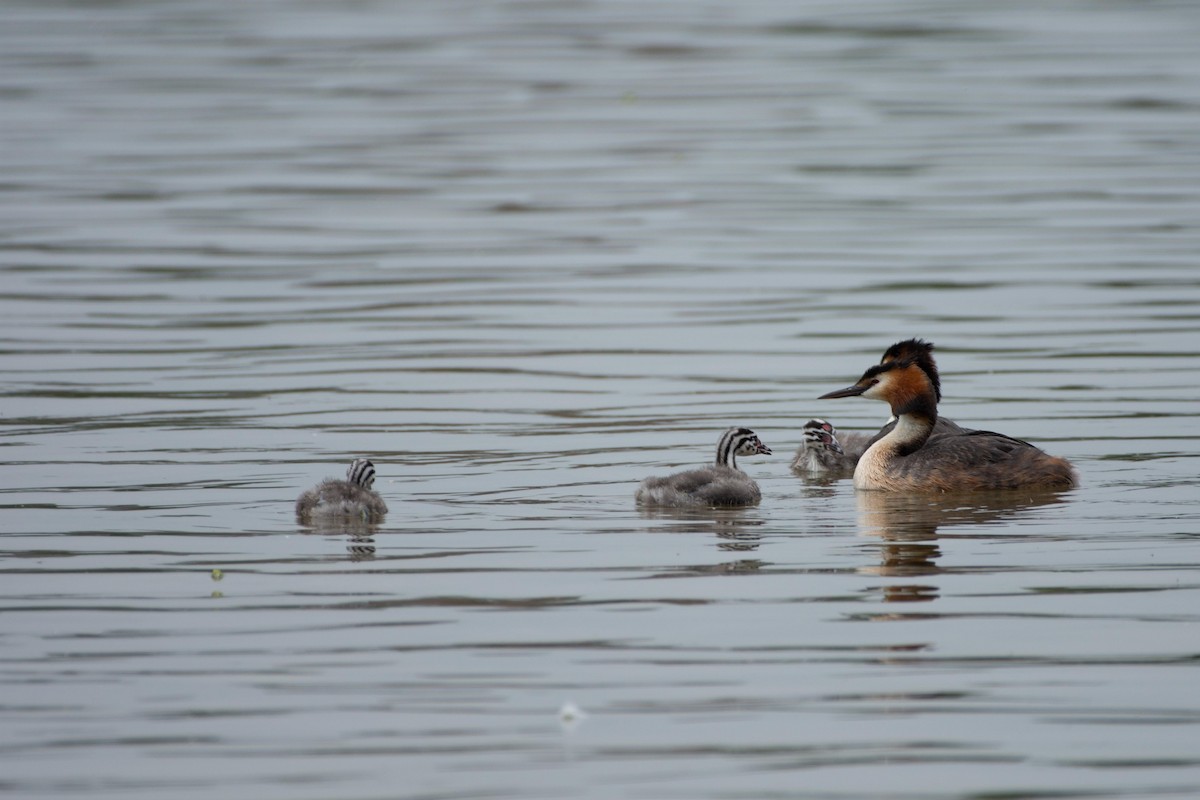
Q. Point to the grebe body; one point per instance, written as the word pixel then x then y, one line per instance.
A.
pixel 334 500
pixel 722 484
pixel 909 458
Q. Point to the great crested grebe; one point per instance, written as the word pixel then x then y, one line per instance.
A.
pixel 821 451
pixel 333 500
pixel 910 458
pixel 722 484
pixel 855 444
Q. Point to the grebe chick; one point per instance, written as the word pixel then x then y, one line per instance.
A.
pixel 722 484
pixel 909 458
pixel 333 500
pixel 821 451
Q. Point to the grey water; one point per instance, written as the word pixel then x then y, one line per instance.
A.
pixel 523 254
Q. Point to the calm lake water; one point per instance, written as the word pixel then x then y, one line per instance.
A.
pixel 522 255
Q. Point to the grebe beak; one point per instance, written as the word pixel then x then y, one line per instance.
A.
pixel 849 391
pixel 762 449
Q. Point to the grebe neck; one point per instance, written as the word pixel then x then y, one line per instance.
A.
pixel 913 428
pixel 909 435
pixel 727 449
pixel 915 418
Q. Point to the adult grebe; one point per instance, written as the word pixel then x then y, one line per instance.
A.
pixel 855 444
pixel 333 500
pixel 909 458
pixel 722 484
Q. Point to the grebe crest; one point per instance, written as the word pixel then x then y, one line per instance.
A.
pixel 722 484
pixel 906 458
pixel 341 501
pixel 919 352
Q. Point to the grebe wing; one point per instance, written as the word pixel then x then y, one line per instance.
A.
pixel 975 449
pixel 687 482
pixel 1012 441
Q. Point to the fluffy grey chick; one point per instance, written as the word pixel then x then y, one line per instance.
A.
pixel 722 484
pixel 821 452
pixel 334 500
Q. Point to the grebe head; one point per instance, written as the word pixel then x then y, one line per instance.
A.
pixel 921 353
pixel 361 472
pixel 903 384
pixel 739 442
pixel 820 434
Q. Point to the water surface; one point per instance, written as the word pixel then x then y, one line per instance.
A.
pixel 523 255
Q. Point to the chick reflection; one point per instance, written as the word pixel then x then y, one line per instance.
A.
pixel 908 527
pixel 360 537
pixel 732 526
pixel 734 530
pixel 361 546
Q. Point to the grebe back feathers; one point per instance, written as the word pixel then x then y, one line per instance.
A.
pixel 335 500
